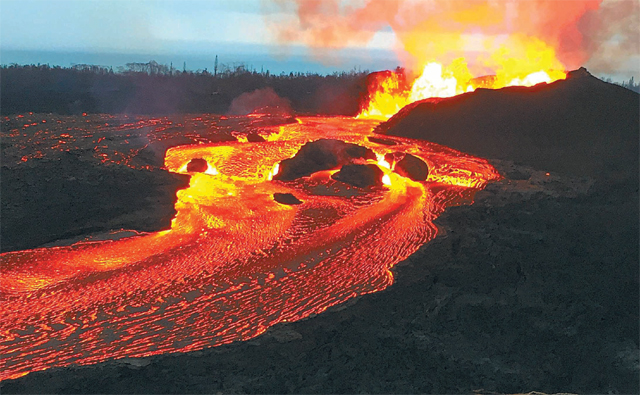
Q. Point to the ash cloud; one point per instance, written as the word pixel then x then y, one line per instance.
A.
pixel 612 37
pixel 579 31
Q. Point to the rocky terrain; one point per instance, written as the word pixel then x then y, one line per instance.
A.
pixel 65 178
pixel 53 200
pixel 533 287
pixel 581 126
pixel 323 154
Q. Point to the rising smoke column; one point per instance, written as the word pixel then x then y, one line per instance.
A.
pixel 612 35
pixel 439 30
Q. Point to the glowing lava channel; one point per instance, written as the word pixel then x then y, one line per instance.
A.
pixel 235 262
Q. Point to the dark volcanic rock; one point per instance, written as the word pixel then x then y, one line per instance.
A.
pixel 361 176
pixel 412 167
pixel 153 154
pixel 526 290
pixel 48 200
pixel 580 125
pixel 255 138
pixel 393 157
pixel 323 154
pixel 197 165
pixel 286 198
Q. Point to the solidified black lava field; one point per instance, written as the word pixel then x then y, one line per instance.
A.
pixel 534 287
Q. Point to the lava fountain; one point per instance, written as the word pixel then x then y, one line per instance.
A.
pixel 452 47
pixel 531 63
pixel 235 262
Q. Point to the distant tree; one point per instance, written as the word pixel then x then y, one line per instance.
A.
pixel 631 85
pixel 153 88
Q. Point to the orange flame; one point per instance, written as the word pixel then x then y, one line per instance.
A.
pixel 454 47
pixel 521 61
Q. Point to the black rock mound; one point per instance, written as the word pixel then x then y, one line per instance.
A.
pixel 286 198
pixel 323 154
pixel 393 157
pixel 361 176
pixel 412 167
pixel 581 125
pixel 255 138
pixel 197 165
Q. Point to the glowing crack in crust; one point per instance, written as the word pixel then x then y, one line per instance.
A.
pixel 234 262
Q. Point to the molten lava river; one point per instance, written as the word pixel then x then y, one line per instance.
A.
pixel 234 262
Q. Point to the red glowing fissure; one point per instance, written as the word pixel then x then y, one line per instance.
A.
pixel 235 262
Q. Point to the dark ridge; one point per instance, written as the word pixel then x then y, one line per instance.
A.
pixel 286 198
pixel 581 125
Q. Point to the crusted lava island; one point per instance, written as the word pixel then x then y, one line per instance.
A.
pixel 485 242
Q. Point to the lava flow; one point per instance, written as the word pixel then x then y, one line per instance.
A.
pixel 235 262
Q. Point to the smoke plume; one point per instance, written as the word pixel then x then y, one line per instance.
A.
pixel 612 36
pixel 442 30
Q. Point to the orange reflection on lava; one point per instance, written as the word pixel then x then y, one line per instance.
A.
pixel 235 261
